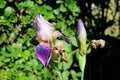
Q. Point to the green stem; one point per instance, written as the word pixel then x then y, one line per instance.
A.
pixel 82 77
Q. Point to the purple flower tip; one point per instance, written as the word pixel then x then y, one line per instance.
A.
pixel 43 53
pixel 59 34
pixel 80 28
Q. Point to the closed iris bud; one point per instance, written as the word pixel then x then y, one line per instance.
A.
pixel 81 37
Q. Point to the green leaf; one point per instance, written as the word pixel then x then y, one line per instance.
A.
pixel 56 11
pixel 1 64
pixel 35 63
pixel 74 41
pixel 63 8
pixel 59 74
pixel 67 65
pixel 10 0
pixel 67 47
pixel 81 60
pixel 79 74
pixel 65 75
pixel 31 32
pixel 10 48
pixel 35 10
pixel 89 49
pixel 3 50
pixel 61 25
pixel 7 60
pixel 3 38
pixel 25 54
pixel 60 66
pixel 59 1
pixel 25 19
pixel 28 4
pixel 68 32
pixel 8 11
pixel 74 75
pixel 2 4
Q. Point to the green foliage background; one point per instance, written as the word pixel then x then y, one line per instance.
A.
pixel 17 59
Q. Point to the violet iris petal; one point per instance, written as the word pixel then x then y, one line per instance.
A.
pixel 44 29
pixel 43 53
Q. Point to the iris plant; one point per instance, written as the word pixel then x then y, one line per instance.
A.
pixel 45 42
pixel 83 47
pixel 45 39
pixel 81 39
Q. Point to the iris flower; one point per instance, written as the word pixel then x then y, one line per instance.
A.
pixel 45 39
